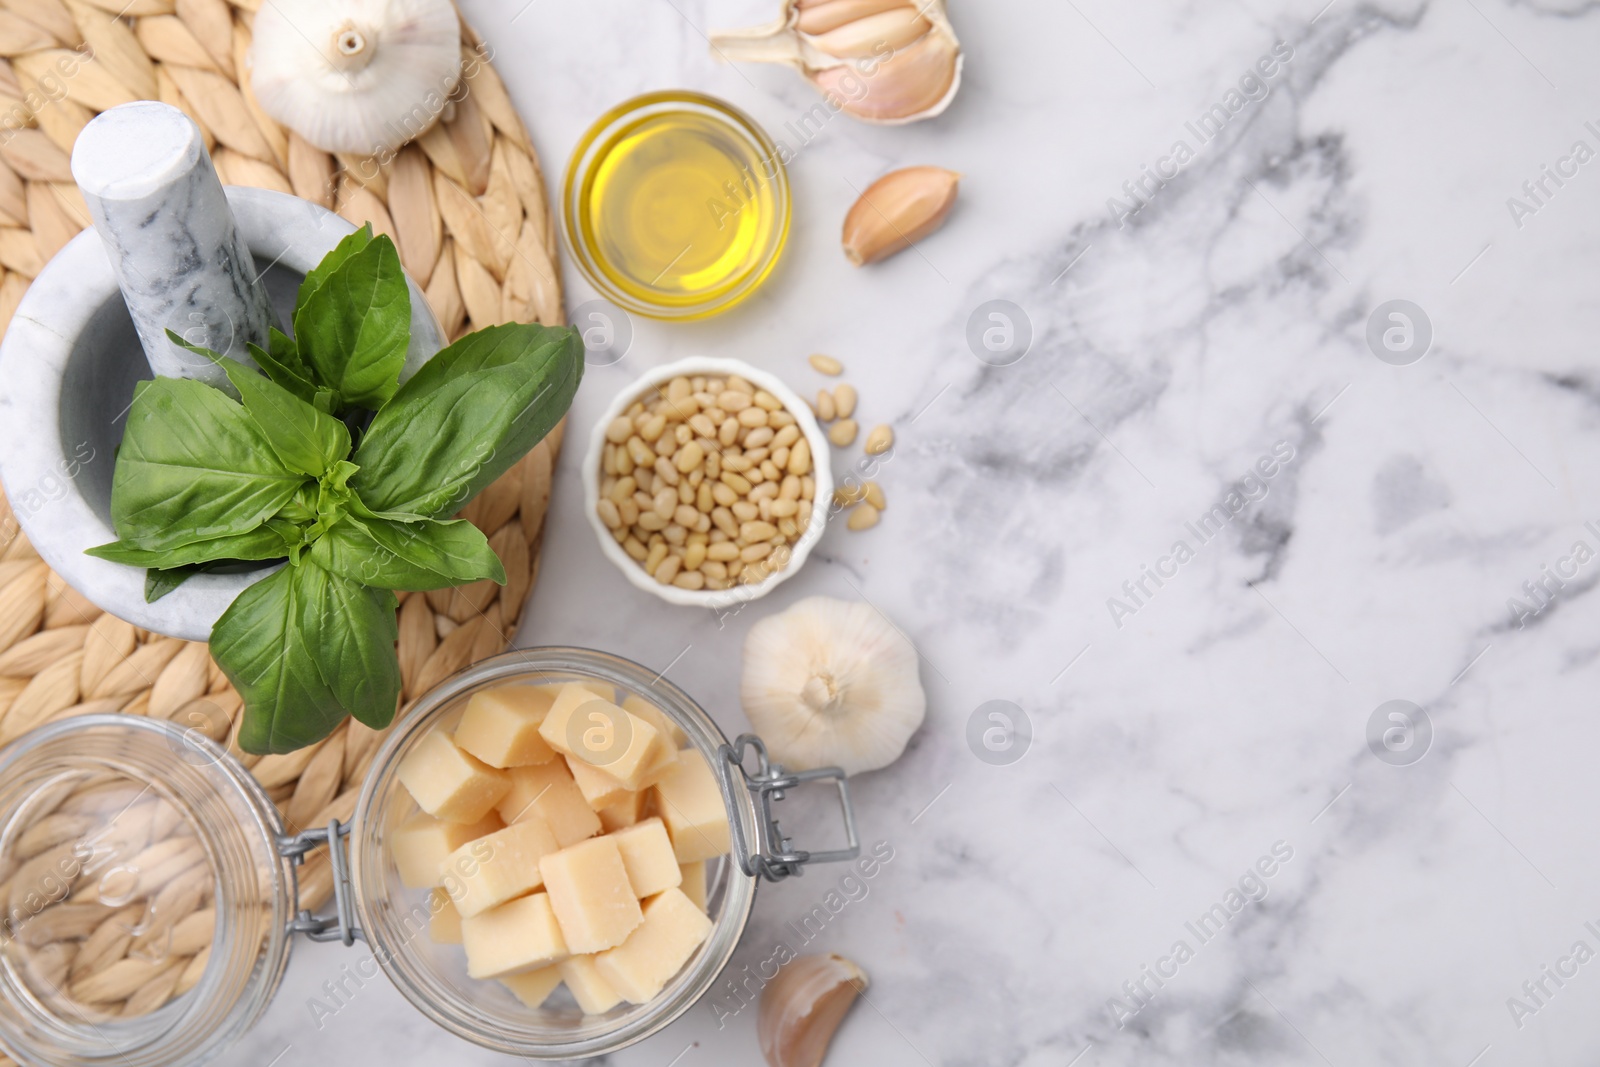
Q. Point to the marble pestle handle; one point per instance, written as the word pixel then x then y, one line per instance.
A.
pixel 159 209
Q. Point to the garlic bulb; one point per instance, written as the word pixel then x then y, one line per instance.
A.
pixel 803 1007
pixel 829 683
pixel 896 211
pixel 884 61
pixel 356 76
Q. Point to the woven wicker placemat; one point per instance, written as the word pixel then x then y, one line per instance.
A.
pixel 466 205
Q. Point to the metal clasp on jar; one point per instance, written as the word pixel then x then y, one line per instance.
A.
pixel 774 856
pixel 341 925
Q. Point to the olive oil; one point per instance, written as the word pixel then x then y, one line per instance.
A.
pixel 682 208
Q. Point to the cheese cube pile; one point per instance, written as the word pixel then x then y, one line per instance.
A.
pixel 563 838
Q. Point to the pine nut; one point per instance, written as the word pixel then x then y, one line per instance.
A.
pixel 753 416
pixel 724 494
pixel 780 419
pixel 791 488
pixel 620 429
pixel 652 522
pixel 757 531
pixel 609 514
pixel 653 428
pixel 694 557
pixel 689 457
pixel 759 437
pixel 754 552
pixel 668 570
pixel 703 426
pixel 844 401
pixel 745 511
pixel 843 433
pixel 690 580
pixel 728 433
pixel 704 499
pixel 780 458
pixel 770 471
pixel 736 463
pixel 808 487
pixel 879 441
pixel 739 385
pixel 675 534
pixel 848 495
pixel 679 388
pixel 767 402
pixel 734 402
pixel 864 517
pixel 826 365
pixel 643 455
pixel 824 406
pixel 786 436
pixel 623 489
pixel 657 554
pixel 665 503
pixel 666 471
pixel 686 516
pixel 875 495
pixel 788 527
pixel 629 510
pixel 736 482
pixel 724 521
pixel 714 570
pixel 800 458
pixel 784 508
pixel 633 547
pixel 722 552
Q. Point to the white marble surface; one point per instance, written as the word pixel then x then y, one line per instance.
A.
pixel 1230 711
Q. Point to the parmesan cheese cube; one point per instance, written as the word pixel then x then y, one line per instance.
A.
pixel 591 895
pixel 599 789
pixel 534 987
pixel 449 784
pixel 647 854
pixel 421 845
pixel 658 762
pixel 549 792
pixel 518 936
pixel 600 734
pixel 657 718
pixel 501 726
pixel 689 801
pixel 592 992
pixel 642 965
pixel 694 883
pixel 625 812
pixel 499 866
pixel 603 690
pixel 444 926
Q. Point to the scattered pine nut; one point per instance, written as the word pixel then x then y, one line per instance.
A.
pixel 848 495
pixel 844 400
pixel 864 517
pixel 824 406
pixel 879 441
pixel 827 365
pixel 843 432
pixel 874 495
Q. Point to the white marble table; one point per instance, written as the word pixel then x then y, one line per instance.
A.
pixel 1228 712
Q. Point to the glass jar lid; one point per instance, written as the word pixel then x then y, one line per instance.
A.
pixel 146 906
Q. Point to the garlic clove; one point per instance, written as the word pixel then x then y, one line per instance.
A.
pixel 881 61
pixel 820 16
pixel 361 77
pixel 895 28
pixel 916 83
pixel 830 683
pixel 898 210
pixel 802 1008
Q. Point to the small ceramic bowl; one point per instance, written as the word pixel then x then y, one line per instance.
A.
pixel 821 471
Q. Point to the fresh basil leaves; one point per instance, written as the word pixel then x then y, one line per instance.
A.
pixel 283 473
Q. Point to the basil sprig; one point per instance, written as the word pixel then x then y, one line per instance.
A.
pixel 277 468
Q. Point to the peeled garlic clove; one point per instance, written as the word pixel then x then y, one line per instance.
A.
pixel 829 683
pixel 897 210
pixel 802 1008
pixel 356 76
pixel 883 61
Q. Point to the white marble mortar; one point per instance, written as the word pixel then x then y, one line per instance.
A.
pixel 68 365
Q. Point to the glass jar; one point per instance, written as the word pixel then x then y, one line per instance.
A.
pixel 150 895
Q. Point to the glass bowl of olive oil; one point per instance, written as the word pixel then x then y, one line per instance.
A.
pixel 676 205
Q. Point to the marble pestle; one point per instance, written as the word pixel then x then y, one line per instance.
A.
pixel 177 254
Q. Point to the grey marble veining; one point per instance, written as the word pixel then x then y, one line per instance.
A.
pixel 177 254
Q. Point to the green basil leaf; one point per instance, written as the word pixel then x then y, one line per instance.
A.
pixel 417 556
pixel 353 328
pixel 463 419
pixel 193 466
pixel 281 362
pixel 272 540
pixel 331 262
pixel 351 630
pixel 261 644
pixel 158 583
pixel 305 439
